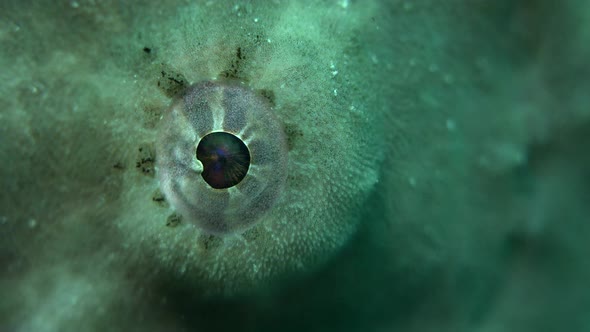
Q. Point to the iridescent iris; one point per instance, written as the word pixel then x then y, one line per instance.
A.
pixel 225 159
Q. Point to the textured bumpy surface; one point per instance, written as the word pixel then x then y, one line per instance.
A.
pixel 261 231
pixel 221 107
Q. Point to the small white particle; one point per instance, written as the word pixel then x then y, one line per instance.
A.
pixel 334 73
pixel 374 59
pixel 32 223
pixel 268 41
pixel 335 92
pixel 451 126
pixel 343 3
pixel 256 20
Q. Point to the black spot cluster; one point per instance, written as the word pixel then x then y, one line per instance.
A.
pixel 159 198
pixel 269 95
pixel 173 220
pixel 146 160
pixel 171 82
pixel 235 66
pixel 294 133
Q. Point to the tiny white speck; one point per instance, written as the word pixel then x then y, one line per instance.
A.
pixel 374 59
pixel 334 73
pixel 335 92
pixel 32 223
pixel 269 41
pixel 256 20
pixel 332 65
pixel 74 4
pixel 451 124
pixel 282 85
pixel 343 3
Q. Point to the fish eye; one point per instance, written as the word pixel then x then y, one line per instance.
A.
pixel 222 156
pixel 225 159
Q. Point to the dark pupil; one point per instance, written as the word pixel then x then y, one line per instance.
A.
pixel 225 159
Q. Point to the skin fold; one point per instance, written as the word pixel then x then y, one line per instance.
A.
pixel 436 173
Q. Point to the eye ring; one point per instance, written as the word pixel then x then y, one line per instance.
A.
pixel 225 119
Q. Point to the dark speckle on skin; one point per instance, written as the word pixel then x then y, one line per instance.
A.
pixel 173 220
pixel 171 82
pixel 145 160
pixel 293 133
pixel 269 95
pixel 234 72
pixel 159 198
